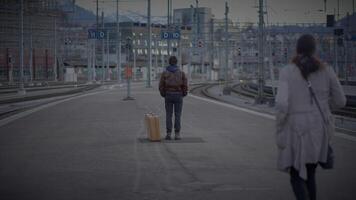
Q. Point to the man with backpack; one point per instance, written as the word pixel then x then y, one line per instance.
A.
pixel 173 87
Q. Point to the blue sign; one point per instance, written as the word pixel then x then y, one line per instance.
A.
pixel 165 35
pixel 93 34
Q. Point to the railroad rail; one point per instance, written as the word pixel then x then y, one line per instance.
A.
pixel 343 116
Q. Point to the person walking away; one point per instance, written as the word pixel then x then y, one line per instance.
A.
pixel 173 87
pixel 301 135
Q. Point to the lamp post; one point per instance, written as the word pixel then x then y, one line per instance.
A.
pixel 21 90
pixel 128 69
pixel 227 89
pixel 118 44
pixel 148 85
pixel 260 96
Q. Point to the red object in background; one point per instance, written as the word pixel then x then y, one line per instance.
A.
pixel 128 72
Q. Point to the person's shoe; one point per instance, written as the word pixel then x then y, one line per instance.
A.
pixel 168 137
pixel 177 136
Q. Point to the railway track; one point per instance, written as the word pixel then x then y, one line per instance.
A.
pixel 47 93
pixel 250 90
pixel 202 90
pixel 12 106
pixel 344 116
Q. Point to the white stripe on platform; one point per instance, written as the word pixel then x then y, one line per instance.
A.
pixel 345 136
pixel 14 117
pixel 265 115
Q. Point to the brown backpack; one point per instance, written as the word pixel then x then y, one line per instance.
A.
pixel 173 80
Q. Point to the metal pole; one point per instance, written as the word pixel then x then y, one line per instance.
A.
pixel 345 63
pixel 55 47
pixel 221 72
pixel 128 68
pixel 197 36
pixel 335 63
pixel 171 12
pixel 197 16
pixel 353 56
pixel 168 26
pixel 196 27
pixel 211 49
pixel 202 65
pixel 94 61
pixel 260 97
pixel 21 88
pixel 88 59
pixel 271 67
pixel 118 44
pixel 31 51
pixel 336 56
pixel 97 15
pixel 127 77
pixel 226 46
pixel 102 47
pixel 242 57
pixel 338 9
pixel 162 58
pixel 95 42
pixel 134 65
pixel 149 44
pixel 90 71
pixel 156 56
pixel 106 71
pixel 270 59
pixel 345 47
pixel 192 38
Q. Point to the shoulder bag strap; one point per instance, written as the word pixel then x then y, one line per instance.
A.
pixel 311 91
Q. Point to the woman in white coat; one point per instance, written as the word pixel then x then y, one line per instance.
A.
pixel 301 137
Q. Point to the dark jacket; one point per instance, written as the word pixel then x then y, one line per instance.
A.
pixel 173 80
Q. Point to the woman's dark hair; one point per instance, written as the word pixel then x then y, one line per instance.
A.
pixel 172 60
pixel 305 59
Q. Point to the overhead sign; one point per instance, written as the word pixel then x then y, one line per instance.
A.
pixel 200 44
pixel 96 34
pixel 166 35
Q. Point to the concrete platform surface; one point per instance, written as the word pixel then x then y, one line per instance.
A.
pixel 93 147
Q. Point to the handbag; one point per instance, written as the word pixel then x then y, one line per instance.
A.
pixel 329 129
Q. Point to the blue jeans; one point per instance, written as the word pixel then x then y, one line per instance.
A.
pixel 173 101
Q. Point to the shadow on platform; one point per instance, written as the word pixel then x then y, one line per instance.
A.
pixel 183 140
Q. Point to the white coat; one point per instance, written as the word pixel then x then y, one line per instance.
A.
pixel 300 134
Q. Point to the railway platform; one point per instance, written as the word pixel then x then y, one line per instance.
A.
pixel 94 147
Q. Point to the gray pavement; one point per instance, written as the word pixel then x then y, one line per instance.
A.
pixel 93 147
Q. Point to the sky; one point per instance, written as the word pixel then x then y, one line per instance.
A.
pixel 279 11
